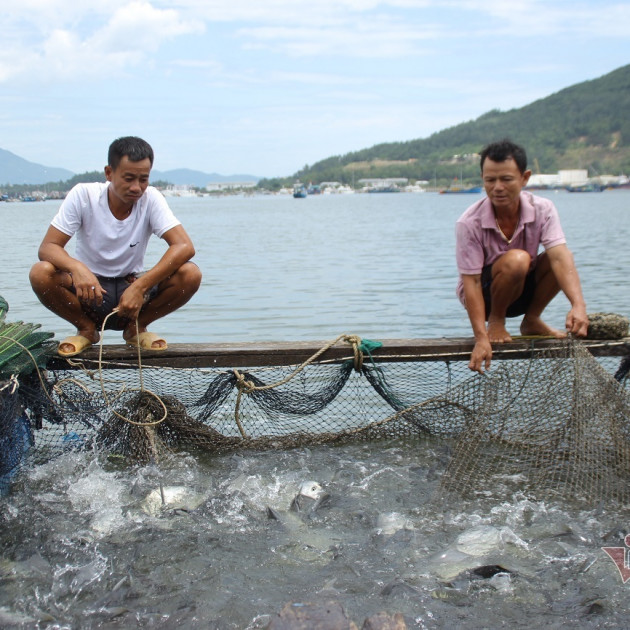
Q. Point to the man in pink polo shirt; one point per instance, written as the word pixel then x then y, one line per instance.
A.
pixel 501 273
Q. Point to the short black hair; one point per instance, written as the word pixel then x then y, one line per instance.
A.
pixel 504 150
pixel 136 149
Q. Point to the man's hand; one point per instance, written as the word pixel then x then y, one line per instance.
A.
pixel 86 286
pixel 577 321
pixel 131 301
pixel 481 356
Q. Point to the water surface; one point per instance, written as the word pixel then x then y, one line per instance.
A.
pixel 78 551
pixel 379 266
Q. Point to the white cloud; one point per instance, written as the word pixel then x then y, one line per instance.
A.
pixel 531 18
pixel 362 40
pixel 140 27
pixel 288 11
pixel 87 45
pixel 215 83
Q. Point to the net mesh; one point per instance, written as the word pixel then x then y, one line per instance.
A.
pixel 557 421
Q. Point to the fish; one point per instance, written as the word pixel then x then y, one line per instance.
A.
pixel 451 595
pixel 303 536
pixel 304 543
pixel 299 531
pixel 389 523
pixel 310 497
pixel 173 499
pixel 399 587
pixel 14 619
pixel 478 547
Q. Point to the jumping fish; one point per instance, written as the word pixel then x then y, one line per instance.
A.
pixel 313 543
pixel 309 498
pixel 479 546
pixel 171 499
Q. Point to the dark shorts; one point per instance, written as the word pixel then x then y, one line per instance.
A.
pixel 115 287
pixel 521 304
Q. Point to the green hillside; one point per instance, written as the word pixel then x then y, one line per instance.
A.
pixel 583 126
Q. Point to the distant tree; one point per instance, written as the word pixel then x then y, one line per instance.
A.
pixel 82 178
pixel 563 130
pixel 272 185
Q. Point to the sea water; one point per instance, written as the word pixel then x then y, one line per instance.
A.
pixel 377 265
pixel 81 549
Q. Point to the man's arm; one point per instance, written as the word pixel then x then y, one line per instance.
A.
pixel 52 250
pixel 180 250
pixel 563 267
pixel 476 308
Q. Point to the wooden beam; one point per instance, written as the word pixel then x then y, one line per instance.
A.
pixel 258 354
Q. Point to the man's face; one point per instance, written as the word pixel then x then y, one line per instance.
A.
pixel 129 180
pixel 503 183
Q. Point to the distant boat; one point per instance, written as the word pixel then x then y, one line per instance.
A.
pixel 384 189
pixel 458 190
pixel 586 188
pixel 299 191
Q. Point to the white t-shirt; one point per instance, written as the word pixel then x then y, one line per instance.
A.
pixel 107 246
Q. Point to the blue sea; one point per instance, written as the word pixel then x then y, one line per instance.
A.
pixel 379 266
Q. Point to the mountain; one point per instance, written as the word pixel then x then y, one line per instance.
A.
pixel 198 179
pixel 583 126
pixel 16 170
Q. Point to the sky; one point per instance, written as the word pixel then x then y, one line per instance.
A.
pixel 265 87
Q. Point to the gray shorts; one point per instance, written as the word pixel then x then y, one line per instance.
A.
pixel 115 287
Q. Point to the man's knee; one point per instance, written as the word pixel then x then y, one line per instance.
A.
pixel 514 263
pixel 192 276
pixel 188 277
pixel 41 275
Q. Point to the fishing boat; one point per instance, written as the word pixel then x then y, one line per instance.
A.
pixel 458 190
pixel 585 188
pixel 299 191
pixel 384 189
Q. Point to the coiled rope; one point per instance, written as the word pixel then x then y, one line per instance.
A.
pixel 149 423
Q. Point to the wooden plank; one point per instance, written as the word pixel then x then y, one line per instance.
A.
pixel 258 354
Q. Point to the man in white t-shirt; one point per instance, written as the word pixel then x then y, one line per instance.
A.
pixel 105 282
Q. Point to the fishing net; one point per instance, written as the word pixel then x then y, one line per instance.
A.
pixel 23 350
pixel 557 420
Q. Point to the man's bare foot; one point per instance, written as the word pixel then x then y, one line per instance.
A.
pixel 536 326
pixel 497 332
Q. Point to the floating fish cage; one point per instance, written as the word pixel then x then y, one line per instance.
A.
pixel 547 410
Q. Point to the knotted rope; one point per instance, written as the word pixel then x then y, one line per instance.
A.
pixel 247 387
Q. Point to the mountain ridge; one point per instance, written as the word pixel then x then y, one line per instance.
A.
pixel 199 179
pixel 582 126
pixel 15 170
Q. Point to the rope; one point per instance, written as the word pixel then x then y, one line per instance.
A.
pixel 141 388
pixel 39 373
pixel 247 387
pixel 13 383
pixel 355 340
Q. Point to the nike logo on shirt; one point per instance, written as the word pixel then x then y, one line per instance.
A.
pixel 133 244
